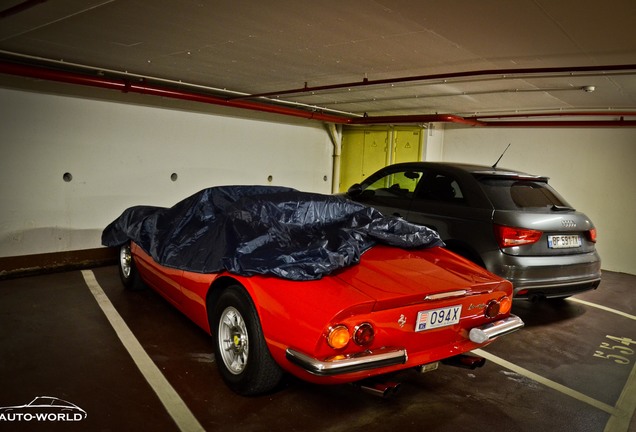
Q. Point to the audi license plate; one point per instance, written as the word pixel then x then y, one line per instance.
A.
pixel 564 241
pixel 436 318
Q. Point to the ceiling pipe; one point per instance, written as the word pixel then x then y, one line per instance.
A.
pixel 20 7
pixel 444 76
pixel 562 123
pixel 140 86
pixel 529 122
pixel 479 120
pixel 417 118
pixel 604 113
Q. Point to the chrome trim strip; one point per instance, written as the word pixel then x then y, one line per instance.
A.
pixel 444 295
pixel 494 329
pixel 349 363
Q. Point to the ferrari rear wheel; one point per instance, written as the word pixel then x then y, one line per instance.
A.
pixel 128 271
pixel 242 356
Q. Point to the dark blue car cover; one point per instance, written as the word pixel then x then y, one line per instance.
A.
pixel 262 230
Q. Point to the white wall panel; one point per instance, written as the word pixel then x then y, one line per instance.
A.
pixel 124 154
pixel 594 169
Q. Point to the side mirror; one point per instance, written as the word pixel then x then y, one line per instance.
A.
pixel 355 190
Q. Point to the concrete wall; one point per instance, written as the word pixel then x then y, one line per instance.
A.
pixel 594 169
pixel 122 151
pixel 121 154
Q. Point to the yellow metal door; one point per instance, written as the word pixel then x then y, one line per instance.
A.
pixel 363 153
pixel 351 158
pixel 407 145
pixel 376 151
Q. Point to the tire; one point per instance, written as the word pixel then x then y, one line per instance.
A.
pixel 128 270
pixel 242 357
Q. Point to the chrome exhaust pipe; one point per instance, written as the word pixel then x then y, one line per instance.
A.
pixel 465 361
pixel 377 388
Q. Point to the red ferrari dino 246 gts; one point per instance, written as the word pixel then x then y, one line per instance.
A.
pixel 391 309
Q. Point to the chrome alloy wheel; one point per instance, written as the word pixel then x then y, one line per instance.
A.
pixel 125 261
pixel 233 340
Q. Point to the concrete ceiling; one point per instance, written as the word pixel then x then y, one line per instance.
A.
pixel 354 59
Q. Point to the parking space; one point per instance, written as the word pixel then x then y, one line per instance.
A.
pixel 570 369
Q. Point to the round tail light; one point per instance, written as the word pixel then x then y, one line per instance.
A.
pixel 363 334
pixel 492 309
pixel 338 337
pixel 505 304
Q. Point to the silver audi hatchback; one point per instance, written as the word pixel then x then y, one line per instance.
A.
pixel 514 224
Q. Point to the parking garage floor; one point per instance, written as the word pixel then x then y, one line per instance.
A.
pixel 132 362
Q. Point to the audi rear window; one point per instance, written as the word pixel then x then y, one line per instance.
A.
pixel 516 194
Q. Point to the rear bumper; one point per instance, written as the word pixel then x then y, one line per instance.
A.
pixel 550 290
pixel 553 276
pixel 348 363
pixel 384 357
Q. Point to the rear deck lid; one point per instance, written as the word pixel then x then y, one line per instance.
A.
pixel 396 277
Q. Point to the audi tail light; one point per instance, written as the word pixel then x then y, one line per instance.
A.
pixel 511 236
pixel 591 235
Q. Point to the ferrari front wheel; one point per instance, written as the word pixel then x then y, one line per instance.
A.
pixel 242 356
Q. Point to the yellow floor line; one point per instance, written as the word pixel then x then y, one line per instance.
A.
pixel 626 405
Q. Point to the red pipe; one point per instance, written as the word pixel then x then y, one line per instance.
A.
pixel 255 106
pixel 142 88
pixel 474 121
pixel 452 75
pixel 20 7
pixel 127 86
pixel 418 118
pixel 60 76
pixel 563 123
pixel 562 114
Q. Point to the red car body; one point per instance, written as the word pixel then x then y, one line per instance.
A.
pixel 388 289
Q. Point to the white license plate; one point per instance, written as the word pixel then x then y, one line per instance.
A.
pixel 437 318
pixel 564 241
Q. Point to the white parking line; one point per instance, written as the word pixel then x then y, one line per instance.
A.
pixel 168 396
pixel 620 415
pixel 548 383
pixel 605 308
